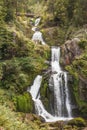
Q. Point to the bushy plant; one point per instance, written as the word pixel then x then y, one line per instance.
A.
pixel 24 103
pixel 10 121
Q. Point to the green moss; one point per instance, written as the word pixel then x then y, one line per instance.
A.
pixel 24 103
pixel 44 89
pixel 45 93
pixel 44 96
pixel 80 122
pixel 68 127
pixel 71 70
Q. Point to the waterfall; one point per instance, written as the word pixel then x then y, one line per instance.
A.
pixel 35 87
pixel 34 90
pixel 61 92
pixel 37 21
pixel 62 107
pixel 37 36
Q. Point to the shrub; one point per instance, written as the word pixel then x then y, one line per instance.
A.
pixel 24 103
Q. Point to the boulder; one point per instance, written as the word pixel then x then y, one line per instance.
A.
pixel 70 50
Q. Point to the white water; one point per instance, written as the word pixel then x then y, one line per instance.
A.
pixel 37 21
pixel 61 92
pixel 37 36
pixel 67 96
pixel 34 90
pixel 34 29
pixel 35 87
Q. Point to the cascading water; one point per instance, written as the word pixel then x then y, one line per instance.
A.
pixel 61 92
pixel 34 90
pixel 37 21
pixel 37 36
pixel 62 107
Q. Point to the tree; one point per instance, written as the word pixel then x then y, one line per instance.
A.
pixel 58 9
pixel 80 12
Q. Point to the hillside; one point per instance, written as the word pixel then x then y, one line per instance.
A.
pixel 63 24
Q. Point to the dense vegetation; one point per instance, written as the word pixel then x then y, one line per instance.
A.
pixel 21 60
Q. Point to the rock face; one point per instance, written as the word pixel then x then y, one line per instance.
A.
pixel 70 50
pixel 74 61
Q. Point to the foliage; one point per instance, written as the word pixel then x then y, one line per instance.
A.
pixel 16 73
pixel 6 98
pixel 72 11
pixel 10 121
pixel 58 9
pixel 80 12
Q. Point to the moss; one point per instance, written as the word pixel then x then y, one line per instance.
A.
pixel 71 70
pixel 24 103
pixel 80 122
pixel 68 127
pixel 44 95
pixel 44 89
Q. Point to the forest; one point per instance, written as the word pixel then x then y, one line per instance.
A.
pixel 28 32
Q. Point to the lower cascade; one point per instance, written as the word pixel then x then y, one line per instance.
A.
pixel 58 79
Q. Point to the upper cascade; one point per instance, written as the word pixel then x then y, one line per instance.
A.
pixel 37 36
pixel 37 21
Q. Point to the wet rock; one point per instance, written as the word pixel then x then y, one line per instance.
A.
pixel 51 84
pixel 53 125
pixel 70 50
pixel 42 119
pixel 32 117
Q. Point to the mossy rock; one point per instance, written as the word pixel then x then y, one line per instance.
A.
pixel 79 122
pixel 45 94
pixel 67 127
